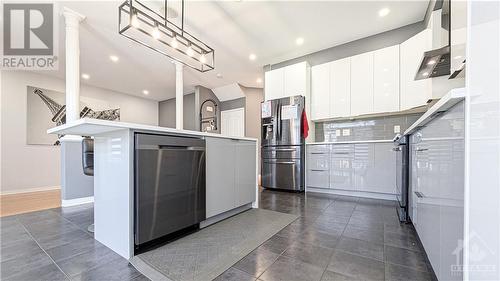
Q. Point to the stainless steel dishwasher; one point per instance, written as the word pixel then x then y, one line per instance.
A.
pixel 169 185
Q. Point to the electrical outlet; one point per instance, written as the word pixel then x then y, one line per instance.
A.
pixel 397 129
pixel 338 133
pixel 346 132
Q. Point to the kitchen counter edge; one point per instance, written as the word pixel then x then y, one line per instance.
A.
pixel 453 97
pixel 95 127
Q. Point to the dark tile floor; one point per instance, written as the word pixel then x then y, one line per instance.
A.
pixel 55 245
pixel 334 238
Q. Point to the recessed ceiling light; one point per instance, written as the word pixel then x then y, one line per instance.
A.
pixel 299 41
pixel 383 12
pixel 146 92
pixel 259 80
pixel 425 74
pixel 219 75
pixel 431 62
pixel 85 76
pixel 252 57
pixel 457 57
pixel 114 58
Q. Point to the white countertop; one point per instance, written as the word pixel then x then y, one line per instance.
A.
pixel 449 100
pixel 348 142
pixel 95 127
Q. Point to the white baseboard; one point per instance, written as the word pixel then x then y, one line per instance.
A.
pixel 77 201
pixel 363 194
pixel 225 215
pixel 28 190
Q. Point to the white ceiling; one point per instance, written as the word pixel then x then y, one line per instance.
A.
pixel 234 29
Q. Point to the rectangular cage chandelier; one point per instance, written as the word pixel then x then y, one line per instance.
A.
pixel 152 30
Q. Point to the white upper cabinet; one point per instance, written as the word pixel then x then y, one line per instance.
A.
pixel 274 84
pixel 340 88
pixel 320 91
pixel 362 84
pixel 287 81
pixel 386 79
pixel 414 93
pixel 296 80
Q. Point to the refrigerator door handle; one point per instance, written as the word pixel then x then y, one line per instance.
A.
pixel 278 114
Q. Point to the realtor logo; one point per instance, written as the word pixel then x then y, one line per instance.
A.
pixel 28 36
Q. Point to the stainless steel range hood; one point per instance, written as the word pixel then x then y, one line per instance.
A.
pixel 436 62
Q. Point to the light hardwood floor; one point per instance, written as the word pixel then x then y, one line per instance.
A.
pixel 12 204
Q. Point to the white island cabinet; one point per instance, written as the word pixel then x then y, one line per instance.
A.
pixel 231 176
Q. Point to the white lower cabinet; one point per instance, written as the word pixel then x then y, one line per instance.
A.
pixel 360 167
pixel 245 179
pixel 375 168
pixel 341 167
pixel 318 166
pixel 385 168
pixel 231 176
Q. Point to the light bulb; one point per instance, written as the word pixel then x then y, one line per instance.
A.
pixel 203 58
pixel 190 51
pixel 135 20
pixel 156 32
pixel 174 42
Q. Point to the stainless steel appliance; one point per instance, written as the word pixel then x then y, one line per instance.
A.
pixel 283 144
pixel 169 185
pixel 401 147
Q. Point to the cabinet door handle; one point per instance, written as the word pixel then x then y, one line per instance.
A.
pixel 396 149
pixel 341 153
pixel 318 153
pixel 421 149
pixel 419 194
pixel 315 170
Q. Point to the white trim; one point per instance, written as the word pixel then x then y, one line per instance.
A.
pixel 225 215
pixel 29 190
pixel 77 201
pixel 362 194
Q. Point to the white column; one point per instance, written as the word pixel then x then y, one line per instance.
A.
pixel 72 20
pixel 179 96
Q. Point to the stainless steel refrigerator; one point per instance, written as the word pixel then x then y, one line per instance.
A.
pixel 283 144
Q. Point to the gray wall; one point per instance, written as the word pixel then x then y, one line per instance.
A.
pixel 166 113
pixel 253 99
pixel 371 43
pixel 233 104
pixel 203 94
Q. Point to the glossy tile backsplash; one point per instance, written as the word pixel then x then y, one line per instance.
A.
pixel 380 128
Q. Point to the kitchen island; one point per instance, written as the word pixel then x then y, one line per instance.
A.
pixel 231 176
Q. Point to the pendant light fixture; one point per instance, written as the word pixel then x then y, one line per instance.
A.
pixel 141 24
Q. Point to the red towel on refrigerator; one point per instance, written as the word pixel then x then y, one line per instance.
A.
pixel 305 124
